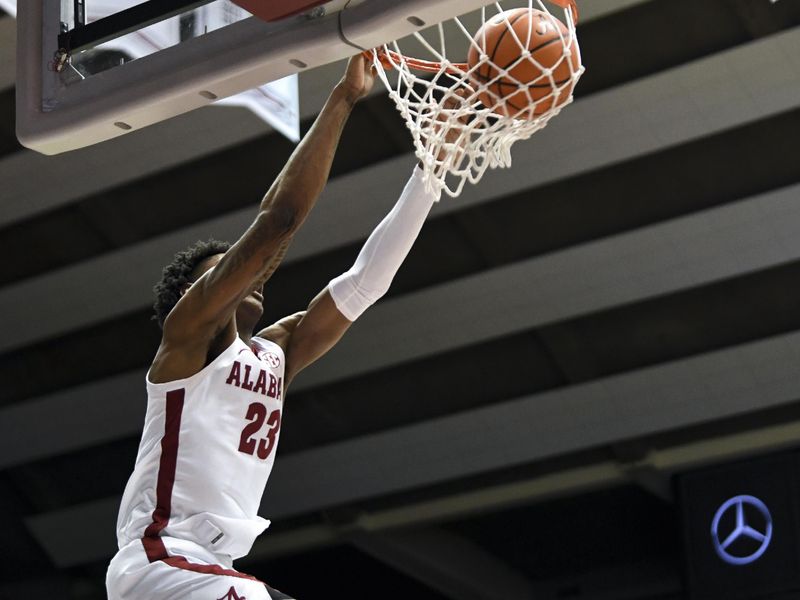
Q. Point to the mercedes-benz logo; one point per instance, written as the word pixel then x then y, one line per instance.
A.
pixel 760 533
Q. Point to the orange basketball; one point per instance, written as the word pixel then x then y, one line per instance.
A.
pixel 510 75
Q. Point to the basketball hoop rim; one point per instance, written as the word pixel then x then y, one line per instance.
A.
pixel 390 58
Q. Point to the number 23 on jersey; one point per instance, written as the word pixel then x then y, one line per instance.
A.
pixel 249 443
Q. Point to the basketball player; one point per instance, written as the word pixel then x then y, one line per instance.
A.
pixel 216 391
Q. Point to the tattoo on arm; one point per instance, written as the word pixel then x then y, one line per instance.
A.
pixel 276 259
pixel 251 246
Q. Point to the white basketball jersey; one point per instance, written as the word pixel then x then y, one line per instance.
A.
pixel 206 453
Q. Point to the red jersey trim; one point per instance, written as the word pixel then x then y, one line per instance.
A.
pixel 167 464
pixel 154 546
pixel 179 562
pixel 156 551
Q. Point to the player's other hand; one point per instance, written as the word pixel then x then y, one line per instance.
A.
pixel 452 129
pixel 358 78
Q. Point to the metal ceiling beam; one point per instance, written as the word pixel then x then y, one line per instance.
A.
pixel 683 104
pixel 644 402
pixel 660 259
pixel 163 145
pixel 454 566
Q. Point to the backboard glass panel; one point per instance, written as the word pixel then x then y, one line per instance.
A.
pixel 57 113
pixel 276 102
pixel 150 39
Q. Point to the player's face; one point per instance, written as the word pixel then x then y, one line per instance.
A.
pixel 251 304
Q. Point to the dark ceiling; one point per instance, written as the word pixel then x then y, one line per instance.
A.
pixel 652 246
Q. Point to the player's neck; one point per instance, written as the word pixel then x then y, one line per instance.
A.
pixel 234 328
pixel 246 320
pixel 245 332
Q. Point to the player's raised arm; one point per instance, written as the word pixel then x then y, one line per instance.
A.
pixel 210 303
pixel 308 335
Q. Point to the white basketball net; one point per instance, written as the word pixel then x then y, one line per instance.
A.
pixel 458 138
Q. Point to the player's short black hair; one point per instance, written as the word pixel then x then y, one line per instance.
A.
pixel 179 272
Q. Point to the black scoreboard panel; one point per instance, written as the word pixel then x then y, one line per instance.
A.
pixel 742 529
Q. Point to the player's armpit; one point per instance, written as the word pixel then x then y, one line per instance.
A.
pixel 316 332
pixel 280 332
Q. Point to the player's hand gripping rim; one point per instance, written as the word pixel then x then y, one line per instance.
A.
pixel 358 79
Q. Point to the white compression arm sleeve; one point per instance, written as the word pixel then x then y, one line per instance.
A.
pixel 384 251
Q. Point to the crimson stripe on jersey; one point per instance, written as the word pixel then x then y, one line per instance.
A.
pixel 156 551
pixel 154 548
pixel 166 476
pixel 180 562
pixel 153 544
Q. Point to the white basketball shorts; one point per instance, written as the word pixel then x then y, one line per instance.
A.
pixel 173 569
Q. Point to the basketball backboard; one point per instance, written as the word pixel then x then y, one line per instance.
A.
pixel 276 102
pixel 79 82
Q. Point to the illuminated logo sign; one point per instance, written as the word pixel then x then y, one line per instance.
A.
pixel 753 527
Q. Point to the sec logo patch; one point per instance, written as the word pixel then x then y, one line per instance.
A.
pixel 272 359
